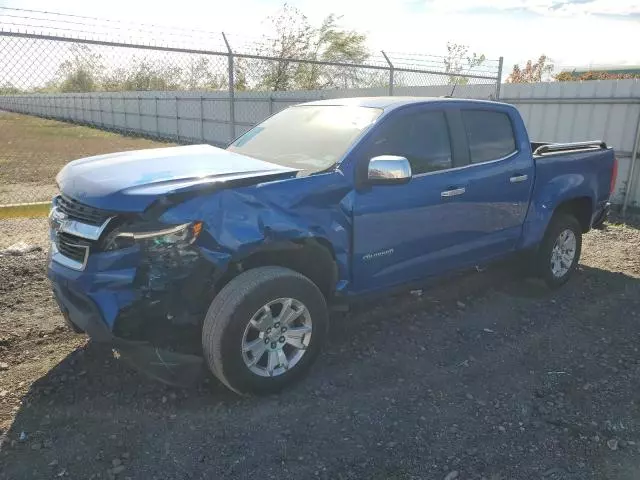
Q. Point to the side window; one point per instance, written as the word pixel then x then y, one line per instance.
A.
pixel 423 138
pixel 490 135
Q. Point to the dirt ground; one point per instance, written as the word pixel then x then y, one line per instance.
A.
pixel 487 375
pixel 33 150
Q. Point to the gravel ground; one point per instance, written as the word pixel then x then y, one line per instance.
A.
pixel 486 376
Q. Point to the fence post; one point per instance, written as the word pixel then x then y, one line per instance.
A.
pixel 157 118
pixel 632 165
pixel 100 110
pixel 390 72
pixel 202 118
pixel 232 99
pixel 140 114
pixel 177 121
pixel 124 109
pixel 113 113
pixel 499 82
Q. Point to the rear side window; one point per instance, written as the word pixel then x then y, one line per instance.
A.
pixel 490 135
pixel 421 137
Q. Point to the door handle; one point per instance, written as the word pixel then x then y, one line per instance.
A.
pixel 454 192
pixel 518 178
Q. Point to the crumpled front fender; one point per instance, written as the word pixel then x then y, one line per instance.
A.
pixel 238 222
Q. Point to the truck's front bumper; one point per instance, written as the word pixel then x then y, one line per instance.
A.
pixel 94 299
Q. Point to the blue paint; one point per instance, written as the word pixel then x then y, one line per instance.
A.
pixel 380 236
pixel 562 178
pixel 131 181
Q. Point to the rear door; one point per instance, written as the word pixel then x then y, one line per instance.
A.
pixel 499 177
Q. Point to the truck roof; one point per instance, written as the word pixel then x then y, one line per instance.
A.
pixel 394 102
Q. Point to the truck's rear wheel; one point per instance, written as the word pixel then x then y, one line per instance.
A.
pixel 264 329
pixel 559 252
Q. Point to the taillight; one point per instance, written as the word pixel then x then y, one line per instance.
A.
pixel 614 175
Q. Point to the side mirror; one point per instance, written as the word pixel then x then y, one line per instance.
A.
pixel 389 170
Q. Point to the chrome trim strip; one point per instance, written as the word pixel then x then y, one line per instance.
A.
pixel 58 257
pixel 73 227
pixel 158 233
pixel 59 222
pixel 469 165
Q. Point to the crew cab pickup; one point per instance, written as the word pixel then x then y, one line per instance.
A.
pixel 246 249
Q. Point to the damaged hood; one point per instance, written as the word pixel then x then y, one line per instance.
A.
pixel 131 181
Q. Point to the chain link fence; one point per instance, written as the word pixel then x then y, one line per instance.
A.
pixel 180 93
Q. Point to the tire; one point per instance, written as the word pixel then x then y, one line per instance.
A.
pixel 554 273
pixel 227 326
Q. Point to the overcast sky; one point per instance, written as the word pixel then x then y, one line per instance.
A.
pixel 572 33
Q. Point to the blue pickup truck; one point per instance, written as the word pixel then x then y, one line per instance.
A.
pixel 190 257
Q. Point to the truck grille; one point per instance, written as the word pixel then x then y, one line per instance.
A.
pixel 72 247
pixel 83 213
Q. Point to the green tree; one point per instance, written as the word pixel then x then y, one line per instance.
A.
pixel 198 76
pixel 532 72
pixel 296 38
pixel 593 75
pixel 144 75
pixel 114 80
pixel 331 44
pixel 8 89
pixel 458 61
pixel 82 72
pixel 293 34
pixel 240 80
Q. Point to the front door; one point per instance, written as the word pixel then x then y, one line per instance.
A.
pixel 409 231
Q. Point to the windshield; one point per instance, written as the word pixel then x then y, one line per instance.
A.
pixel 310 137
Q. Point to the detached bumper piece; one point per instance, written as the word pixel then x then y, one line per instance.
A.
pixel 166 366
pixel 601 217
pixel 172 368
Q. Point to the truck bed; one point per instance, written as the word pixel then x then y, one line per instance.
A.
pixel 587 166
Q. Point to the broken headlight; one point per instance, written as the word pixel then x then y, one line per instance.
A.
pixel 159 238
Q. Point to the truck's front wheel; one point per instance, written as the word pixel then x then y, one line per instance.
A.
pixel 264 329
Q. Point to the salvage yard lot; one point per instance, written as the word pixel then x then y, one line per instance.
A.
pixel 33 150
pixel 488 375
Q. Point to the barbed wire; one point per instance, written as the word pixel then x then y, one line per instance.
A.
pixel 166 35
pixel 186 31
